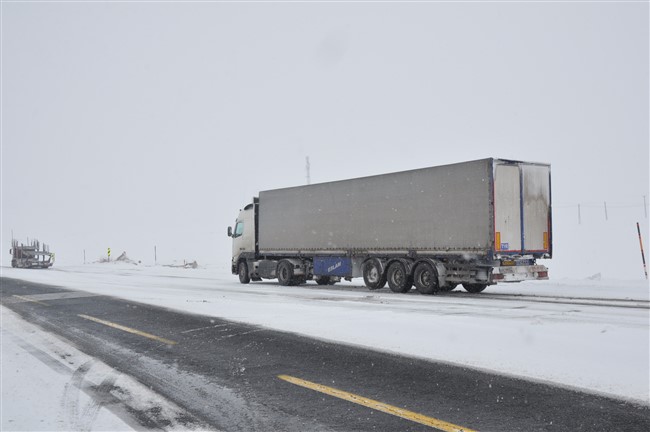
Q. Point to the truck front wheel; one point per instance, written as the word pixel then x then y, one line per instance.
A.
pixel 373 274
pixel 426 279
pixel 285 273
pixel 474 288
pixel 242 270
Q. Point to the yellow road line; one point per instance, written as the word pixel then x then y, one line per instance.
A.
pixel 30 300
pixel 379 406
pixel 128 329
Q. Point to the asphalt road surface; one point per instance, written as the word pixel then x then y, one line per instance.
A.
pixel 239 377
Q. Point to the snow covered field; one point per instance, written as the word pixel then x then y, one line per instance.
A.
pixel 591 335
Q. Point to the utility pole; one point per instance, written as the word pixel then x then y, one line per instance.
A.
pixel 307 168
pixel 579 218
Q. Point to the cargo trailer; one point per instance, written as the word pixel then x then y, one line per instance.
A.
pixel 472 223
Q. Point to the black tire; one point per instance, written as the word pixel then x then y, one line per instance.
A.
pixel 242 270
pixel 399 280
pixel 425 279
pixel 285 273
pixel 373 276
pixel 449 286
pixel 474 288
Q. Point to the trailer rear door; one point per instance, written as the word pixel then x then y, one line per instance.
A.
pixel 507 209
pixel 536 197
pixel 522 208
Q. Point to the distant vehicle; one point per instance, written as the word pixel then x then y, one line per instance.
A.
pixel 472 223
pixel 31 256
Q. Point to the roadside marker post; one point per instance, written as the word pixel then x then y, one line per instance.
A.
pixel 645 269
pixel 109 254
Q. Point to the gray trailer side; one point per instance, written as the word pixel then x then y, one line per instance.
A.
pixel 437 210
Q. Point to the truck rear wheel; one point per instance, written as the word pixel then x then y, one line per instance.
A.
pixel 373 276
pixel 242 270
pixel 398 280
pixel 285 273
pixel 426 279
pixel 474 288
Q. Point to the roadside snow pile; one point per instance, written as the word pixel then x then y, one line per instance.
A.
pixel 186 264
pixel 123 258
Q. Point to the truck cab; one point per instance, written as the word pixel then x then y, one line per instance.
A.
pixel 243 240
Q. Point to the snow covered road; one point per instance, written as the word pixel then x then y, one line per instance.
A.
pixel 591 335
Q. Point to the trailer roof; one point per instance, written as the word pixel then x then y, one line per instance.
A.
pixel 487 160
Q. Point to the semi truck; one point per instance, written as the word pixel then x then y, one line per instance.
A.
pixel 473 224
pixel 32 255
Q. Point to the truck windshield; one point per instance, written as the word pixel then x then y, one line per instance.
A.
pixel 239 229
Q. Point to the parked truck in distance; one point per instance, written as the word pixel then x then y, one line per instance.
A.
pixel 33 255
pixel 473 223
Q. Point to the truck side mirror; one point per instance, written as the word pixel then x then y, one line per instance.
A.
pixel 229 231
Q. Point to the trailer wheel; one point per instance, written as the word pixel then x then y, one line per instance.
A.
pixel 426 279
pixel 474 288
pixel 398 280
pixel 373 276
pixel 242 269
pixel 285 273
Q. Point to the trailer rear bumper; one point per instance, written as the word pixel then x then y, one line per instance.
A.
pixel 519 273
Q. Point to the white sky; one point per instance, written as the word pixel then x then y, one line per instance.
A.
pixel 129 125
